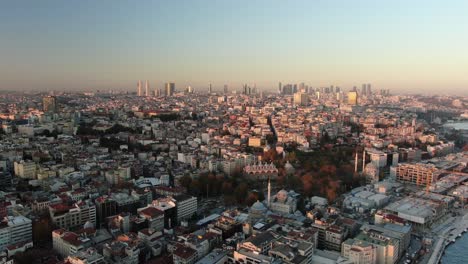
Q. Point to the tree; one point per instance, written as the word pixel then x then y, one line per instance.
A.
pixel 185 182
pixel 240 192
pixel 291 156
pixel 465 147
pixel 270 139
pixel 169 117
pixel 226 188
pixel 117 128
pixel 270 155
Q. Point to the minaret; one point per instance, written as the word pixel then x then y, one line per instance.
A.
pixel 146 88
pixel 363 160
pixel 355 163
pixel 269 193
pixel 139 88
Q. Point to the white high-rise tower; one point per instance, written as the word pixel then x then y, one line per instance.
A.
pixel 147 88
pixel 139 88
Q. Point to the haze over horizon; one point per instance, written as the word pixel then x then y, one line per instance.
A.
pixel 405 46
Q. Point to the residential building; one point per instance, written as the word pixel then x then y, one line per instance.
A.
pixel 15 230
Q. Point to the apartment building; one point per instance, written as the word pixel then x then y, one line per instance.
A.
pixel 15 230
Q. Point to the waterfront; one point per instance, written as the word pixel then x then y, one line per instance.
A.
pixel 456 252
pixel 457 125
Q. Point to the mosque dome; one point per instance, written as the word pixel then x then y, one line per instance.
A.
pixel 282 196
pixel 289 168
pixel 88 224
pixel 371 169
pixel 258 207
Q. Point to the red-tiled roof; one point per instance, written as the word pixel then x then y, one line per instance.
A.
pixel 184 252
pixel 71 238
pixel 151 212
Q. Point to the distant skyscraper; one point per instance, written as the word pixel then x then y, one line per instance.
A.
pixel 189 89
pixel 301 98
pixel 364 89
pixel 280 88
pixel 147 88
pixel 369 91
pixel 49 104
pixel 139 92
pixel 339 96
pixel 352 98
pixel 287 89
pixel 170 89
pixel 225 88
pixel 157 92
pixel 210 89
pixel 301 87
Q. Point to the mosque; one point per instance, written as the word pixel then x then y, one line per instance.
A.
pixel 283 203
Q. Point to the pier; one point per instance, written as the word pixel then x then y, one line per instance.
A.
pixel 447 236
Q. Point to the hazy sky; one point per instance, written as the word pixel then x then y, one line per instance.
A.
pixel 407 45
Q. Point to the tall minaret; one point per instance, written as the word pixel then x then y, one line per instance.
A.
pixel 139 88
pixel 146 88
pixel 269 193
pixel 356 163
pixel 363 160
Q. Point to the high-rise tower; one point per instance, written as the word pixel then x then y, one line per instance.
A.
pixel 147 88
pixel 170 89
pixel 49 104
pixel 139 92
pixel 353 98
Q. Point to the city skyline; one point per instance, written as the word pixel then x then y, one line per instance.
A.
pixel 233 132
pixel 412 47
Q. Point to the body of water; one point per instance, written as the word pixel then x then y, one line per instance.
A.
pixel 456 252
pixel 458 125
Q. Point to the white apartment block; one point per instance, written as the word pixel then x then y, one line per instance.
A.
pixel 69 217
pixel 25 169
pixel 14 230
pixel 67 243
pixel 186 206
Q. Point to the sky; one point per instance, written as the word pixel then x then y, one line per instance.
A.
pixel 405 46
